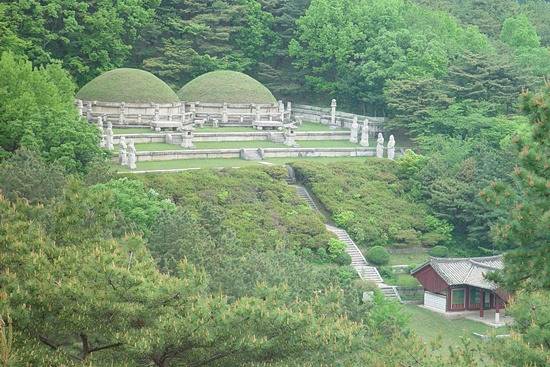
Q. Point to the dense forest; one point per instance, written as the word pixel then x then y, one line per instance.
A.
pixel 229 267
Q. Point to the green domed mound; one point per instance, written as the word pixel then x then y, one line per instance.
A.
pixel 127 85
pixel 225 86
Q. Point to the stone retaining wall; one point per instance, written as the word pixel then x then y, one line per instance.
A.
pixel 267 153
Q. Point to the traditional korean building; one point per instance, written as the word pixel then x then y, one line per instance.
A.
pixel 459 284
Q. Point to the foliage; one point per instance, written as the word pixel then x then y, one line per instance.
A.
pixel 439 251
pixel 525 229
pixel 378 255
pixel 225 86
pixel 139 205
pixel 26 175
pixel 529 343
pixel 37 112
pixel 369 201
pixel 352 49
pixel 127 85
pixel 88 38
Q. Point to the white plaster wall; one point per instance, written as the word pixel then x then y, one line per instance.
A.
pixel 435 301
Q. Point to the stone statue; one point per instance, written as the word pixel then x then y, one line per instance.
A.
pixel 132 155
pixel 391 148
pixel 100 123
pixel 333 113
pixel 215 123
pixel 354 131
pixel 122 153
pixel 80 107
pixel 365 134
pixel 109 136
pixel 380 146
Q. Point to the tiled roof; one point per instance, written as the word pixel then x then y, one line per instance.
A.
pixel 469 270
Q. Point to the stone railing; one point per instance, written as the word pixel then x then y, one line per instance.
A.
pixel 329 116
pixel 216 114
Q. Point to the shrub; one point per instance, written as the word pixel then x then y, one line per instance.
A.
pixel 378 255
pixel 439 251
pixel 343 259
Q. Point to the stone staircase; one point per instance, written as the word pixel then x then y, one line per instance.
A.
pixel 358 261
pixel 304 194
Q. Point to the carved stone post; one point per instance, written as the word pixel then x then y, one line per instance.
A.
pixel 224 114
pixel 333 112
pixel 100 123
pixel 122 111
pixel 89 111
pixel 365 134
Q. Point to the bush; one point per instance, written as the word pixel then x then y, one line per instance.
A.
pixel 439 251
pixel 378 255
pixel 343 259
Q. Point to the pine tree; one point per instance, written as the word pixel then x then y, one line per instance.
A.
pixel 527 229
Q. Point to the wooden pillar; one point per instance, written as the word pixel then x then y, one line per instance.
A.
pixel 481 303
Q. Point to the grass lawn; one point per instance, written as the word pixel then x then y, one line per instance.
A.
pixel 225 129
pixel 430 325
pixel 402 280
pixel 326 144
pixel 227 162
pixel 415 258
pixel 315 126
pixel 192 163
pixel 132 130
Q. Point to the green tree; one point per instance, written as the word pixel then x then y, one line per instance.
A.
pixel 37 112
pixel 26 175
pixel 189 38
pixel 518 32
pixel 88 37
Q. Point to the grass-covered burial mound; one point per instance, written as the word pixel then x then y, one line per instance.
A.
pixel 127 85
pixel 225 86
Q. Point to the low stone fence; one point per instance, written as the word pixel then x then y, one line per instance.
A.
pixel 222 114
pixel 265 152
pixel 342 119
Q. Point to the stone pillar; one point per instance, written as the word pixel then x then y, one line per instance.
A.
pixel 139 118
pixel 187 137
pixel 89 111
pixel 365 134
pixel 122 111
pixel 225 118
pixel 289 107
pixel 353 138
pixel 122 153
pixel 109 136
pixel 380 146
pixel 156 116
pixel 80 107
pixel 391 148
pixel 132 159
pixel 333 112
pixel 168 139
pixel 281 106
